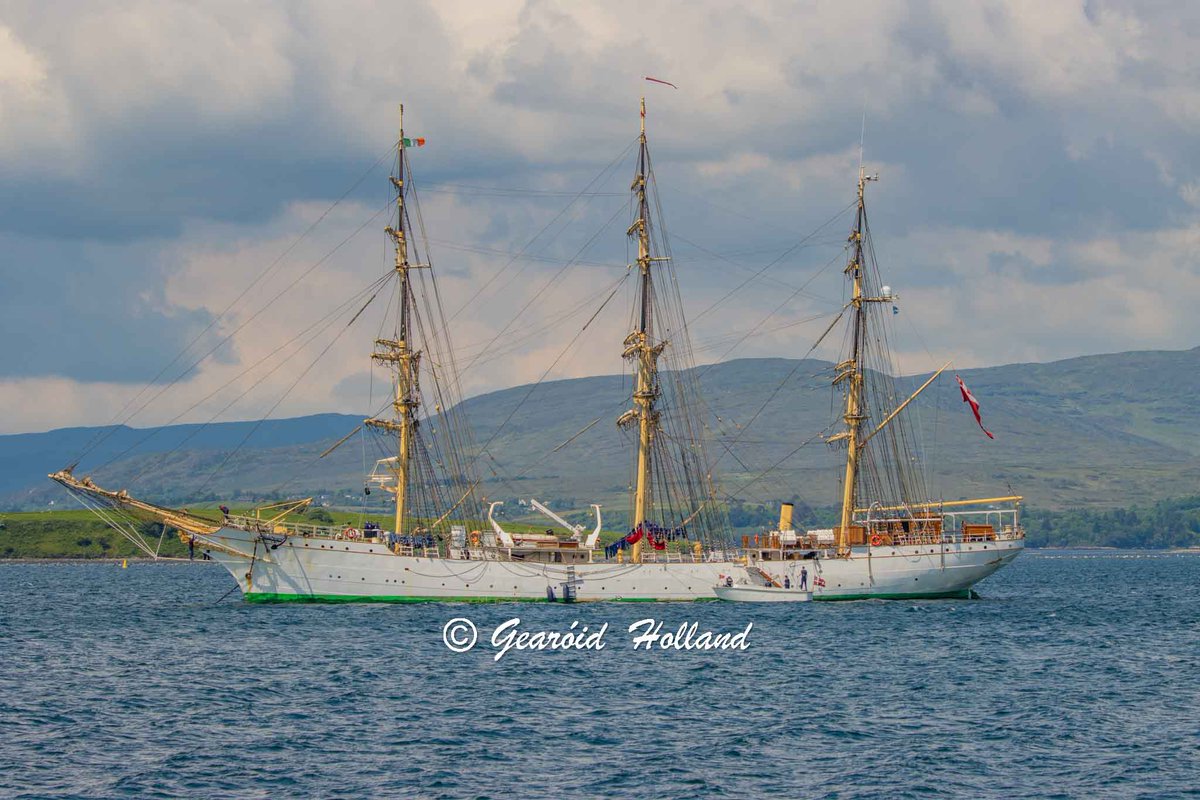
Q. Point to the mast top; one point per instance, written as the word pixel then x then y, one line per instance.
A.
pixel 643 117
pixel 863 180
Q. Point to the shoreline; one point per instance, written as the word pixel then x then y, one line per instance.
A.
pixel 103 560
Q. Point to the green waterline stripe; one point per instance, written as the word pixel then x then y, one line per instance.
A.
pixel 273 597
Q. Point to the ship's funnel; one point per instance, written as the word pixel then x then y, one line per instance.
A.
pixel 785 517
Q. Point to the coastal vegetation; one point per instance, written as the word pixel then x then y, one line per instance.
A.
pixel 1164 524
pixel 80 534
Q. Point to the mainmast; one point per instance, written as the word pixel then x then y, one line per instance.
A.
pixel 398 354
pixel 850 372
pixel 640 349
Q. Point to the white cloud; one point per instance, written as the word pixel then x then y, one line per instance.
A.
pixel 1037 201
pixel 36 120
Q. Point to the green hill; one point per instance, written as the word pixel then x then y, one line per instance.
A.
pixel 1099 431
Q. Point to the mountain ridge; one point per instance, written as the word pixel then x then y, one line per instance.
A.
pixel 1101 430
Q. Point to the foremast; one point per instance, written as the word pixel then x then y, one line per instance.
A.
pixel 850 371
pixel 399 355
pixel 641 349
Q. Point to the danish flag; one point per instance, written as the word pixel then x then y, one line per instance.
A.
pixel 970 399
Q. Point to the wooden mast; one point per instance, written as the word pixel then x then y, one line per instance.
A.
pixel 399 354
pixel 850 371
pixel 639 349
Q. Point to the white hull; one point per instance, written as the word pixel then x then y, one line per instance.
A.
pixel 319 569
pixel 761 594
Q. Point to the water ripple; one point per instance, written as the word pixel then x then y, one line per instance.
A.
pixel 1076 675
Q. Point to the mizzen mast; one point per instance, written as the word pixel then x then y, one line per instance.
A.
pixel 640 349
pixel 399 355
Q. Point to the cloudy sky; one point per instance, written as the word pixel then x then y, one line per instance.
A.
pixel 1039 192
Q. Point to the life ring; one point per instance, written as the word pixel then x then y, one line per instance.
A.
pixel 876 540
pixel 350 533
pixel 475 538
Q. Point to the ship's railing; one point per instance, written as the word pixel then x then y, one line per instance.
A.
pixel 952 537
pixel 956 527
pixel 999 518
pixel 951 527
pixel 679 556
pixel 410 550
pixel 944 527
pixel 290 528
pixel 301 528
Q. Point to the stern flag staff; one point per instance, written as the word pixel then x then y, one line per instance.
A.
pixel 970 399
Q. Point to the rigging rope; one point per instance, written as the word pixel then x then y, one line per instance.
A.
pixel 103 436
pixel 252 317
pixel 284 396
pixel 316 329
pixel 544 228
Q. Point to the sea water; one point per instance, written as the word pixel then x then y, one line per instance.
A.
pixel 1075 675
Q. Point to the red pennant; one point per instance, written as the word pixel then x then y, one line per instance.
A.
pixel 659 80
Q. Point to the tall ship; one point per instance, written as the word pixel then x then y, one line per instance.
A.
pixel 892 540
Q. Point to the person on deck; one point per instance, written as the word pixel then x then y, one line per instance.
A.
pixel 787 582
pixel 804 579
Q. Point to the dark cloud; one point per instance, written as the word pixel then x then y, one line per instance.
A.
pixel 90 312
pixel 147 142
